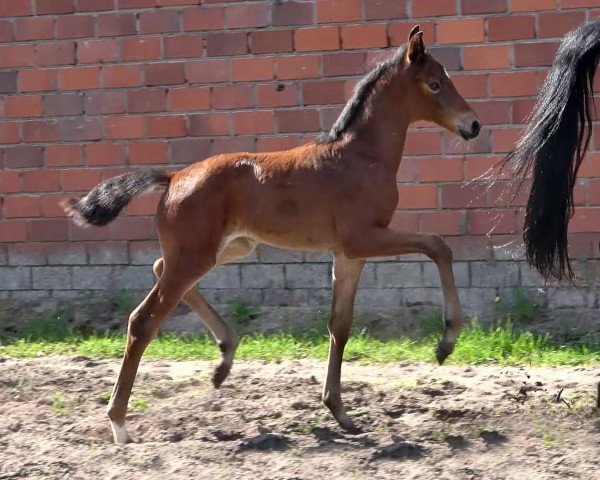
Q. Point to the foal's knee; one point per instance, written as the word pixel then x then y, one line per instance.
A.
pixel 158 267
pixel 440 251
pixel 140 327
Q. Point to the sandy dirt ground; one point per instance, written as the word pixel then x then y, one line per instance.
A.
pixel 267 422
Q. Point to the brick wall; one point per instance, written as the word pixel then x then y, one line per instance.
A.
pixel 92 88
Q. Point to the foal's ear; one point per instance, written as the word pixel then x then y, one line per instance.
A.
pixel 414 30
pixel 416 47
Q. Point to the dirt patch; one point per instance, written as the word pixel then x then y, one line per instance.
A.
pixel 267 422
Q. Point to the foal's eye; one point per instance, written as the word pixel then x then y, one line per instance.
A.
pixel 435 86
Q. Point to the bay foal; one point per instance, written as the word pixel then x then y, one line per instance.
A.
pixel 337 195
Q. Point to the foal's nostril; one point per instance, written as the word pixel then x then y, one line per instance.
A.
pixel 475 127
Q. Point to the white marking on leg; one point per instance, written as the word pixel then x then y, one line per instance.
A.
pixel 120 434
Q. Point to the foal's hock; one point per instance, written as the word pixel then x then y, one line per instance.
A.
pixel 336 195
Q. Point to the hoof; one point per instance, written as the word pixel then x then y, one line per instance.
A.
pixel 348 425
pixel 220 374
pixel 443 350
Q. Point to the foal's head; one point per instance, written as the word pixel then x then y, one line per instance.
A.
pixel 431 94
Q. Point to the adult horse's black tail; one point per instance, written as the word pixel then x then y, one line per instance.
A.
pixel 553 145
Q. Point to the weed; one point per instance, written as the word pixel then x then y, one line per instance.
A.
pixel 241 313
pixel 50 327
pixel 520 309
pixel 123 301
pixel 60 406
pixel 432 323
pixel 138 404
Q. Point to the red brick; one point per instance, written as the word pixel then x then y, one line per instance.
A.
pixel 97 51
pixel 513 84
pixel 55 229
pixel 143 101
pixel 579 4
pixel 77 233
pixel 45 7
pixel 81 128
pixel 13 231
pixel 23 106
pixel 209 124
pixel 79 78
pixel 329 11
pixel 124 127
pixel 427 8
pixel 41 181
pixel 62 53
pixel 461 30
pixel 323 92
pixel 493 112
pixel 183 46
pixel 6 30
pixel 471 86
pixel 118 76
pixel 252 69
pixel 116 24
pixel 585 219
pixel 404 222
pixel 37 80
pixel 93 5
pixel 24 156
pixel 191 150
pixel 292 13
pixel 296 67
pixel 233 145
pixel 140 48
pixel 22 206
pixel 274 41
pixel 417 196
pixel 78 26
pixel 276 144
pixel 189 98
pixel 317 39
pixel 10 182
pixel 535 54
pixel 158 21
pixel 148 153
pixel 80 180
pixel 488 57
pixel 470 195
pixel 531 5
pixel 125 4
pixel 292 121
pixel 398 32
pixel 15 8
pixel 486 222
pixel 132 228
pixel 337 64
pixel 513 27
pixel 203 18
pixel 556 25
pixel 421 142
pixel 591 166
pixel 452 144
pixel 105 154
pixel 63 155
pixel 504 139
pixel 370 35
pixel 384 9
pixel 440 169
pixel 232 97
pixel 208 71
pixel 280 95
pixel 451 222
pixel 221 44
pixel 9 132
pixel 470 7
pixel 247 16
pixel 258 121
pixel 164 73
pixel 41 131
pixel 161 3
pixel 145 205
pixel 37 28
pixel 104 102
pixel 328 116
pixel 484 167
pixel 16 55
pixel 166 126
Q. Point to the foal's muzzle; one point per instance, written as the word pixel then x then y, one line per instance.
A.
pixel 470 128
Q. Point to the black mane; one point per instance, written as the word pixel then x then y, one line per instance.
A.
pixel 356 105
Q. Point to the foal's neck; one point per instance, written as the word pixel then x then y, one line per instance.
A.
pixel 380 136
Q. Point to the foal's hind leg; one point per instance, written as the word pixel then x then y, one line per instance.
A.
pixel 144 323
pixel 346 274
pixel 223 334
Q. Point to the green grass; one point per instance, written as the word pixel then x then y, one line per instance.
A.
pixel 505 345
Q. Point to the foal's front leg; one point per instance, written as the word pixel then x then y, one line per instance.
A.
pixel 382 242
pixel 346 274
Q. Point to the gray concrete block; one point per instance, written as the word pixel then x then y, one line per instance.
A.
pixel 431 276
pixel 399 275
pixel 15 278
pixel 494 274
pixel 530 277
pixel 92 278
pixel 379 297
pixel 268 254
pixel 262 276
pixel 70 254
pixel 51 278
pixel 225 276
pixel 368 277
pixel 307 275
pixel 231 295
pixel 133 277
pixel 422 296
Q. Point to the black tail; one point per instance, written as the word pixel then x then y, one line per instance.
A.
pixel 554 144
pixel 104 203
